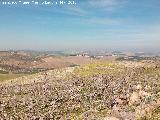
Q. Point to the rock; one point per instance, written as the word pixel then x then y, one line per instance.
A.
pixel 139 112
pixel 122 100
pixel 147 87
pixel 119 101
pixel 111 118
pixel 134 98
pixel 127 115
pixel 143 93
pixel 139 87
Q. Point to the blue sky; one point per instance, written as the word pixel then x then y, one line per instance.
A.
pixel 90 24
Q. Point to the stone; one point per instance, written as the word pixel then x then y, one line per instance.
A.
pixel 111 118
pixel 134 98
pixel 139 87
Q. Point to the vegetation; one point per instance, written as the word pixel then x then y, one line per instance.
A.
pixel 3 72
pixel 5 76
pixel 99 68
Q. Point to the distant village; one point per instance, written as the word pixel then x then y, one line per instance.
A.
pixel 121 56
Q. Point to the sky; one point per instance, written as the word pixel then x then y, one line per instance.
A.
pixel 128 25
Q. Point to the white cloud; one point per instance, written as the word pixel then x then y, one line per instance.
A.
pixel 102 21
pixel 106 4
pixel 102 3
pixel 75 10
pixel 89 6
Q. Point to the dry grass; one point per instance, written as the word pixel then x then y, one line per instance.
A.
pixel 4 77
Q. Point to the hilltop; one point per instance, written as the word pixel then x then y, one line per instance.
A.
pixel 118 90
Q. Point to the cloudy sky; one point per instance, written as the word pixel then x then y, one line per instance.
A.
pixel 90 24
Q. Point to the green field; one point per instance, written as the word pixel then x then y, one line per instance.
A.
pixel 99 68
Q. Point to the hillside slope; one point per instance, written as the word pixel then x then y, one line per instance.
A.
pixel 97 91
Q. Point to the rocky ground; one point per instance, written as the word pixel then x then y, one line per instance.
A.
pixel 97 91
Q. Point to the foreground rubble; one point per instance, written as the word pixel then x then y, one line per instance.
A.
pixel 116 91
